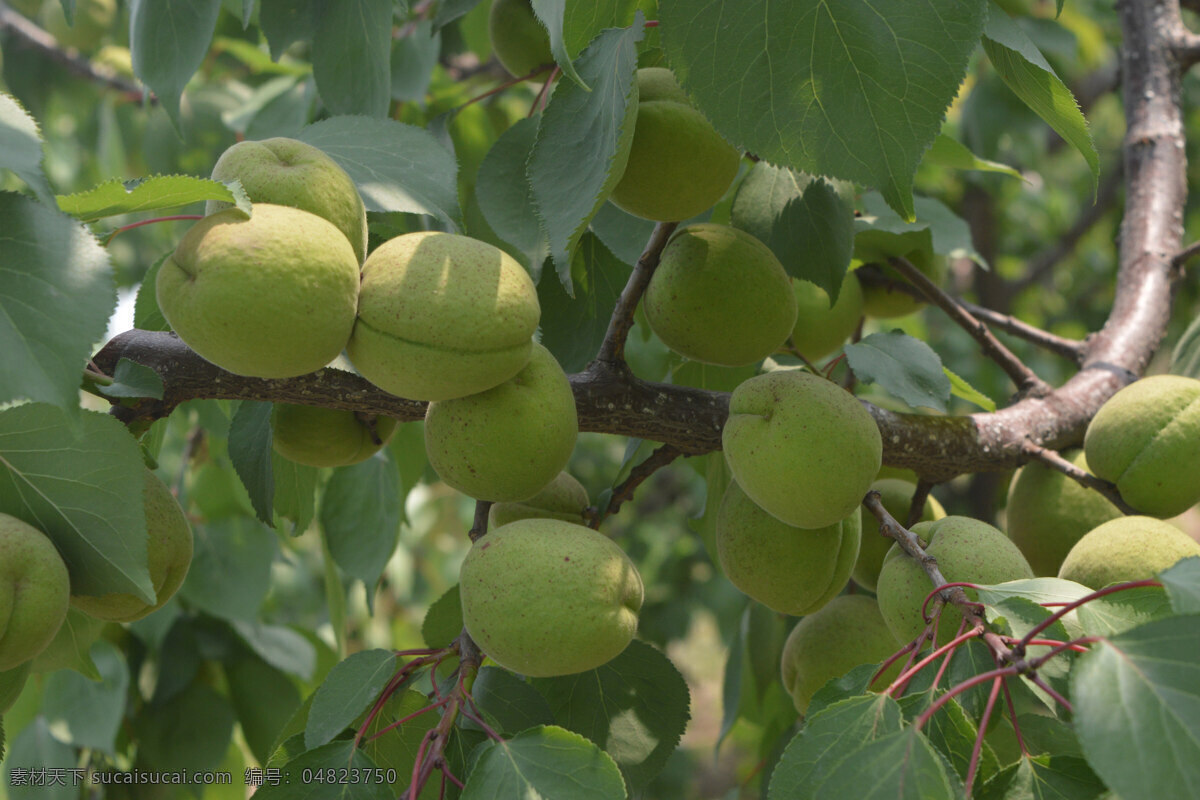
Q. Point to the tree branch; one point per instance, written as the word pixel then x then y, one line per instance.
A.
pixel 612 349
pixel 660 458
pixel 1056 462
pixel 1070 349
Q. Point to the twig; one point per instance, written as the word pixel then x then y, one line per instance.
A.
pixel 1069 607
pixel 1037 681
pixel 1027 382
pixel 637 476
pixel 508 84
pixel 977 750
pixel 1056 462
pixel 612 350
pixel 480 525
pixel 1187 49
pixel 431 754
pixel 1185 255
pixel 916 508
pixel 1012 715
pixel 1070 349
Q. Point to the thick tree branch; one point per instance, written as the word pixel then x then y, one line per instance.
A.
pixel 612 349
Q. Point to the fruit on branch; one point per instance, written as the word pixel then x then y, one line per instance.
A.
pixel 168 551
pixel 272 296
pixel 884 298
pixel 91 21
pixel 720 296
pixel 896 496
pixel 442 316
pixel 678 164
pixel 35 591
pixel 847 632
pixel 544 597
pixel 288 172
pixel 519 40
pixel 1126 549
pixel 508 443
pixel 790 570
pixel 327 437
pixel 1146 440
pixel 820 328
pixel 801 447
pixel 1048 512
pixel 563 498
pixel 966 550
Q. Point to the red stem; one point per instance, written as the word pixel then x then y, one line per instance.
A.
pixel 1056 616
pixel 1012 715
pixel 903 679
pixel 938 590
pixel 983 722
pixel 133 225
pixel 970 683
pixel 411 716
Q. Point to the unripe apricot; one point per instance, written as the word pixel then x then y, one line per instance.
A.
pixel 35 592
pixel 563 498
pixel 821 328
pixel 1126 549
pixel 896 496
pixel 720 296
pixel 327 437
pixel 519 41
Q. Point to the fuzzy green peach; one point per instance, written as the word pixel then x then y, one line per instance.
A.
pixel 563 498
pixel 35 592
pixel 327 437
pixel 1126 549
pixel 822 328
pixel 518 39
pixel 896 496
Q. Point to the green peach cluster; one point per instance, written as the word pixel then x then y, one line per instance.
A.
pixel 1126 549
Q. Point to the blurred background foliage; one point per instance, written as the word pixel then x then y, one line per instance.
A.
pixel 1050 238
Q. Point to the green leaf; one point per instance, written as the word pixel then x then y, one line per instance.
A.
pixel 1023 68
pixel 55 300
pixel 635 707
pixel 351 56
pixel 36 745
pixel 69 649
pixel 285 22
pixel 1185 358
pixel 154 193
pixel 506 198
pixel 622 233
pixel 360 514
pixel 263 698
pixel 295 492
pixel 834 736
pixel 863 103
pixel 965 391
pixel 551 14
pixel 450 10
pixel 512 703
pixel 804 222
pixel 716 480
pixel 168 40
pixel 1137 709
pixel 572 25
pixel 147 316
pixel 879 233
pixel 949 152
pixel 89 712
pixel 346 692
pixel 280 646
pixel 1120 611
pixel 21 146
pixel 231 568
pixel 81 483
pixel 397 748
pixel 413 59
pixel 443 621
pixel 131 379
pixel 251 451
pixel 583 143
pixel 1182 584
pixel 189 732
pixel 335 758
pixel 396 167
pixel 904 366
pixel 573 328
pixel 544 762
pixel 1050 777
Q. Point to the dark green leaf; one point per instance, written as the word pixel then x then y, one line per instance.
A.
pixel 506 198
pixel 881 233
pixel 346 692
pixel 191 731
pixel 396 167
pixel 37 746
pixel 443 621
pixel 622 233
pixel 90 712
pixel 251 451
pixel 413 58
pixel 360 514
pixel 1045 778
pixel 280 646
pixel 1182 583
pixel 147 316
pixel 54 270
pixel 168 40
pixel 21 146
pixel 635 707
pixel 544 762
pixel 285 22
pixel 450 10
pixel 264 700
pixel 583 143
pixel 231 568
pixel 512 703
pixel 295 492
pixel 1137 709
pixel 335 756
pixel 131 379
pixel 80 482
pixel 906 367
pixel 864 102
pixel 1023 68
pixel 154 193
pixel 351 56
pixel 397 748
pixel 573 328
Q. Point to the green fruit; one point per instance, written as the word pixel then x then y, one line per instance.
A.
pixel 91 21
pixel 1146 440
pixel 168 551
pixel 847 632
pixel 820 329
pixel 966 550
pixel 272 296
pixel 885 302
pixel 35 591
pixel 508 443
pixel 287 172
pixel 563 498
pixel 678 164
pixel 1049 512
pixel 801 447
pixel 12 681
pixel 720 296
pixel 790 570
pixel 520 42
pixel 543 597
pixel 1126 549
pixel 442 316
pixel 327 437
pixel 896 496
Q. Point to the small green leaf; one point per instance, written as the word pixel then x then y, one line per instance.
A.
pixel 506 198
pixel 443 621
pixel 231 568
pixel 21 146
pixel 1185 358
pixel 131 379
pixel 949 152
pixel 397 749
pixel 573 328
pixel 1182 583
pixel 360 514
pixel 512 703
pixel 90 712
pixel 351 56
pixel 336 758
pixel 147 316
pixel 285 22
pixel 904 366
pixel 280 646
pixel 251 450
pixel 544 762
pixel 295 492
pixel 263 698
pixel 346 692
pixel 154 193
pixel 965 391
pixel 190 732
pixel 168 40
pixel 1052 777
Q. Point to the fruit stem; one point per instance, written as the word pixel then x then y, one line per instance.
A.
pixel 1057 615
pixel 977 750
pixel 508 84
pixel 903 679
pixel 132 225
pixel 970 683
pixel 612 349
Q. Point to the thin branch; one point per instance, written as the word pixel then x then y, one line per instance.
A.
pixel 1056 462
pixel 916 508
pixel 480 524
pixel 612 350
pixel 1070 349
pixel 1185 255
pixel 1187 49
pixel 638 475
pixel 1027 382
